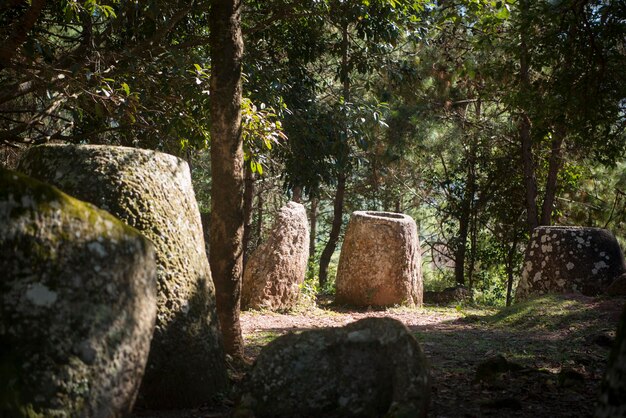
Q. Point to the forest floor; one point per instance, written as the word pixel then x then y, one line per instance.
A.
pixel 555 350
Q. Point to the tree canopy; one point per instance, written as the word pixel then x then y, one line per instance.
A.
pixel 482 119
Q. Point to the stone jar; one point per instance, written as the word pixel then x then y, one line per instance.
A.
pixel 275 270
pixel 77 305
pixel 370 368
pixel 564 259
pixel 380 262
pixel 612 402
pixel 152 191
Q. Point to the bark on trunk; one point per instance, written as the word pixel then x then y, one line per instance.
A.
pixel 296 194
pixel 509 271
pixel 312 236
pixel 554 166
pixel 530 181
pixel 464 224
pixel 227 212
pixel 342 157
pixel 259 217
pixel 248 198
pixel 329 249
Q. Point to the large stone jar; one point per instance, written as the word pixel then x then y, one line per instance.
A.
pixel 380 262
pixel 370 368
pixel 77 305
pixel 152 192
pixel 276 269
pixel 563 259
pixel 612 402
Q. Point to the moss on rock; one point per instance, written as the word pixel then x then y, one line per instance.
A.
pixel 152 192
pixel 78 304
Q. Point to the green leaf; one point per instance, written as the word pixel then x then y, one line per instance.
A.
pixel 126 89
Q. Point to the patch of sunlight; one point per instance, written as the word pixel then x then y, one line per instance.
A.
pixel 543 312
pixel 261 338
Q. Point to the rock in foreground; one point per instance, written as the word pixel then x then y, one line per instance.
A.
pixel 380 261
pixel 152 192
pixel 613 391
pixel 276 269
pixel 570 259
pixel 77 308
pixel 370 368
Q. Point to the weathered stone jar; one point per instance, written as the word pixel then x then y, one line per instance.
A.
pixel 380 262
pixel 77 305
pixel 563 259
pixel 612 402
pixel 152 191
pixel 277 267
pixel 370 368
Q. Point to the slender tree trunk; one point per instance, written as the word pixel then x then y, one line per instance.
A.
pixel 342 156
pixel 459 257
pixel 464 224
pixel 509 271
pixel 530 181
pixel 259 217
pixel 473 204
pixel 554 166
pixel 313 234
pixel 227 211
pixel 473 244
pixel 248 199
pixel 296 194
pixel 329 249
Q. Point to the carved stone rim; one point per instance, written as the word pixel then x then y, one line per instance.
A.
pixel 384 216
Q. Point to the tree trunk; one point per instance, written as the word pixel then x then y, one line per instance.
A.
pixel 342 157
pixel 259 217
pixel 329 249
pixel 473 245
pixel 312 236
pixel 296 194
pixel 248 199
pixel 554 166
pixel 227 212
pixel 509 271
pixel 464 223
pixel 530 181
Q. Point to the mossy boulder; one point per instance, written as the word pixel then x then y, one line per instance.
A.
pixel 612 401
pixel 77 308
pixel 370 368
pixel 276 269
pixel 568 259
pixel 152 192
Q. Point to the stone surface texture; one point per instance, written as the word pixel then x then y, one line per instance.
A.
pixel 448 295
pixel 275 270
pixel 152 192
pixel 380 261
pixel 568 259
pixel 618 287
pixel 370 368
pixel 612 402
pixel 77 305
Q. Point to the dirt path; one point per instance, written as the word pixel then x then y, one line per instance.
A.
pixel 561 343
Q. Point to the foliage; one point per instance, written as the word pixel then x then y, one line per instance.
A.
pixel 416 105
